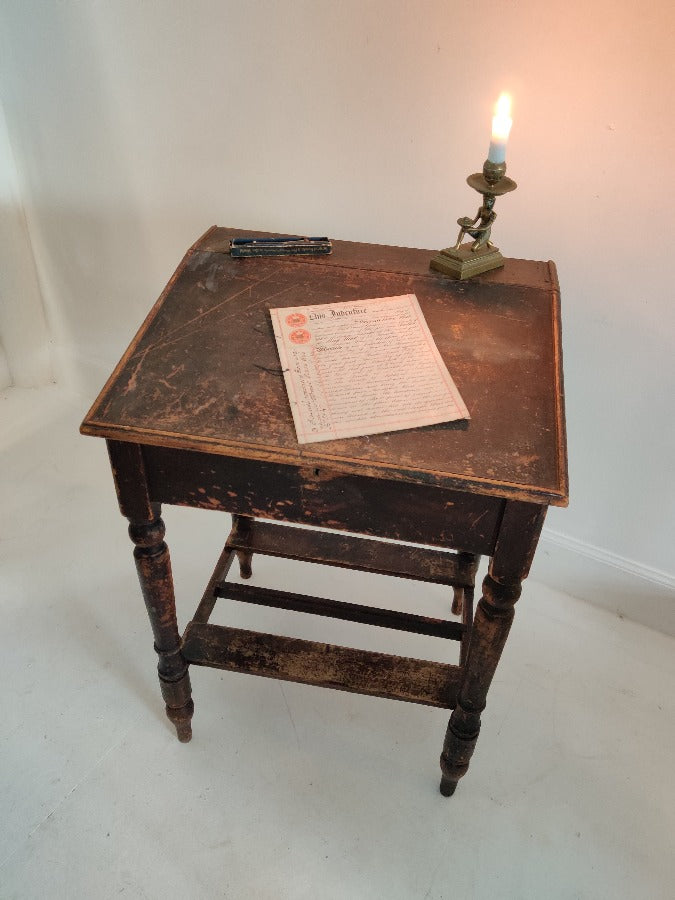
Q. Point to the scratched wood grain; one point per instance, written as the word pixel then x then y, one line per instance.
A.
pixel 417 513
pixel 203 372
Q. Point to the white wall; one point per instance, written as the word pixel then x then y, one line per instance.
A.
pixel 138 124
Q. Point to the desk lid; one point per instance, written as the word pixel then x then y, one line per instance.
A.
pixel 203 372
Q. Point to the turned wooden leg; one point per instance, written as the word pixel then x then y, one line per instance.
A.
pixel 154 573
pixel 491 626
pixel 510 564
pixel 242 528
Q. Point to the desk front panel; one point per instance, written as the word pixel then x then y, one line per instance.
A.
pixel 372 506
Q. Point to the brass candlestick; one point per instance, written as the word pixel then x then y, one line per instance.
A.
pixel 465 260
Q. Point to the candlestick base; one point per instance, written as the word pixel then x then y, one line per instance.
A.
pixel 463 262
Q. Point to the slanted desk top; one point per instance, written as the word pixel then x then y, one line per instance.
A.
pixel 203 371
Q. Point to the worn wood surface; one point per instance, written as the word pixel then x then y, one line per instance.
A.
pixel 346 551
pixel 203 372
pixel 417 513
pixel 323 665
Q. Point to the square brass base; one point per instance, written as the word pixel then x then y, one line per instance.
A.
pixel 463 263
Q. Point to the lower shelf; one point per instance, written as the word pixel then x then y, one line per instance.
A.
pixel 322 665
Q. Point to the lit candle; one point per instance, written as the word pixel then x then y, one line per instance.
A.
pixel 501 126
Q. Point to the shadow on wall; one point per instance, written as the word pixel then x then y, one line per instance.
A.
pixel 5 374
pixel 83 253
pixel 24 341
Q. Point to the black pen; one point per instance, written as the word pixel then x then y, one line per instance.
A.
pixel 279 246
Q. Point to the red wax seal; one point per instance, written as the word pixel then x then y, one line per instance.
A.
pixel 295 320
pixel 300 336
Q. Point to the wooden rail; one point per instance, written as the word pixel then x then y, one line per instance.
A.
pixel 322 665
pixel 338 609
pixel 349 552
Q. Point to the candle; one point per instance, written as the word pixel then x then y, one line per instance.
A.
pixel 501 126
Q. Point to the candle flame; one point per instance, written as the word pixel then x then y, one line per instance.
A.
pixel 502 121
pixel 503 107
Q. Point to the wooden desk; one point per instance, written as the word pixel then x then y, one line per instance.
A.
pixel 196 414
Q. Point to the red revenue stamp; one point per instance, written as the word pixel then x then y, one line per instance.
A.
pixel 300 336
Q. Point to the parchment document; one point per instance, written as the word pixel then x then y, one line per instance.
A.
pixel 361 368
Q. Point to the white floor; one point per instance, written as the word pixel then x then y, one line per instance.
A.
pixel 288 791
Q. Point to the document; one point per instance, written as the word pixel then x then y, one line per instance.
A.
pixel 362 367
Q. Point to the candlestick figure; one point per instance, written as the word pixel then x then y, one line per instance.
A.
pixel 480 233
